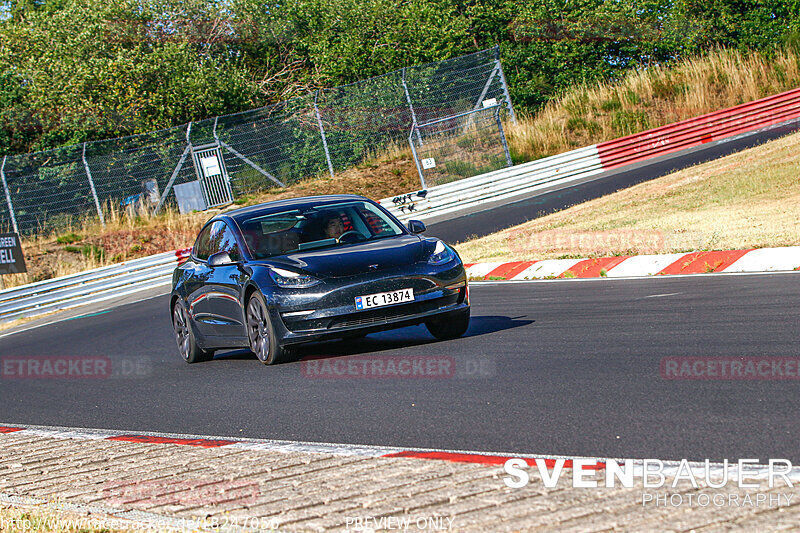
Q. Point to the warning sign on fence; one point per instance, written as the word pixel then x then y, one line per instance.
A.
pixel 11 259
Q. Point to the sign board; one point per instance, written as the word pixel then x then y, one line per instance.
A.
pixel 210 166
pixel 11 259
pixel 190 197
pixel 489 102
pixel 428 163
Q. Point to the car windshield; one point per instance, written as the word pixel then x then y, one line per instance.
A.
pixel 324 226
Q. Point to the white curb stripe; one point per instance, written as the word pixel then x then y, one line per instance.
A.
pixel 547 268
pixel 643 265
pixel 481 269
pixel 767 260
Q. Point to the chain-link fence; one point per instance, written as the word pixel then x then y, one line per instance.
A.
pixel 210 161
pixel 460 146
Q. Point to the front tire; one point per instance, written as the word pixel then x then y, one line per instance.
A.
pixel 263 341
pixel 449 326
pixel 184 335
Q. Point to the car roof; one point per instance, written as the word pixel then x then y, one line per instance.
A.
pixel 290 203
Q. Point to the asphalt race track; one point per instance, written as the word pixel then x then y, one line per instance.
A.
pixel 564 367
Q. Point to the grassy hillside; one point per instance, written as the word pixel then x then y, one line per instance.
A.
pixel 652 97
pixel 746 200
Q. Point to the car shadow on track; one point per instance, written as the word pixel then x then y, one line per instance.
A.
pixel 389 340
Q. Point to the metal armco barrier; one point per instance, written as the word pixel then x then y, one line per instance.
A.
pixel 99 284
pixel 499 185
pixel 452 198
pixel 700 130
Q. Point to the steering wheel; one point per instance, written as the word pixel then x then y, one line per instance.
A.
pixel 350 237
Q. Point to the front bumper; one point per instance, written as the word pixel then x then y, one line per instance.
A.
pixel 329 312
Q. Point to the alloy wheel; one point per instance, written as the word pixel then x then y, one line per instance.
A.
pixel 258 329
pixel 181 325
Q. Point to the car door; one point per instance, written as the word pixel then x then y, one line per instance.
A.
pixel 215 303
pixel 198 274
pixel 224 286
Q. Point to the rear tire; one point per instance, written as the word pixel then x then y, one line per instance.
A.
pixel 450 326
pixel 263 341
pixel 190 351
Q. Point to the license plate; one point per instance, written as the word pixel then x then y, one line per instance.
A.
pixel 384 298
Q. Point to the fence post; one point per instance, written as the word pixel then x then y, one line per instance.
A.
pixel 503 136
pixel 413 114
pixel 168 188
pixel 322 133
pixel 8 196
pixel 414 153
pixel 505 85
pixel 91 184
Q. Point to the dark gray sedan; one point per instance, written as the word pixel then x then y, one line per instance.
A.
pixel 279 274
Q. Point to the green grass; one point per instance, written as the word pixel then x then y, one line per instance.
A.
pixel 68 238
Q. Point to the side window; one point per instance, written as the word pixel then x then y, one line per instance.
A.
pixel 227 243
pixel 201 245
pixel 217 237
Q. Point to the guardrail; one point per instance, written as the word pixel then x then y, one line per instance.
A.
pixel 95 285
pixel 586 162
pixel 700 130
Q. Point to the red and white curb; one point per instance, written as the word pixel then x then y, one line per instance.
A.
pixel 739 261
pixel 668 467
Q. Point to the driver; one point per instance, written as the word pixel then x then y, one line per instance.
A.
pixel 334 227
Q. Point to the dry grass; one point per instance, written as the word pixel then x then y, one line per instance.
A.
pixel 650 98
pixel 746 200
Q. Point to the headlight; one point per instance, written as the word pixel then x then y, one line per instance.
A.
pixel 287 278
pixel 441 254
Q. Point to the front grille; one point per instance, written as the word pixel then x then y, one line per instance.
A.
pixel 372 316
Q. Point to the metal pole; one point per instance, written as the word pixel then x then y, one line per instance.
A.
pixel 503 136
pixel 168 188
pixel 251 163
pixel 413 114
pixel 91 184
pixel 322 132
pixel 216 138
pixel 416 157
pixel 486 87
pixel 172 179
pixel 505 85
pixel 8 196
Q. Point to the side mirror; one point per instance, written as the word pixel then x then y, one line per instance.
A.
pixel 220 259
pixel 415 226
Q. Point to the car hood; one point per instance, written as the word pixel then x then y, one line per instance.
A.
pixel 353 259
